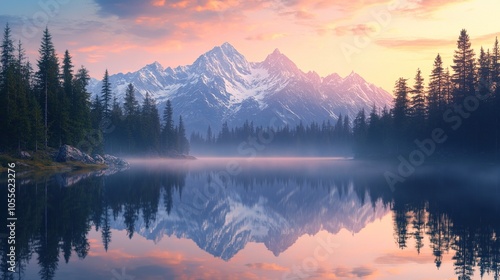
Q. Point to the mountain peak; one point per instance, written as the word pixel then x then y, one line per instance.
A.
pixel 277 61
pixel 227 46
pixel 353 76
pixel 154 66
pixel 222 60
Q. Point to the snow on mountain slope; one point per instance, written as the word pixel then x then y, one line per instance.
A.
pixel 221 85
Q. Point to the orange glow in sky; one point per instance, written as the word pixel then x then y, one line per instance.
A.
pixel 379 39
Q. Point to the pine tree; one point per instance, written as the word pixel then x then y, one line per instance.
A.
pixel 150 124
pixel 346 129
pixel 48 87
pixel 131 117
pixel 6 85
pixel 401 104
pixel 484 77
pixel 464 76
pixel 67 123
pixel 448 87
pixel 168 130
pixel 400 113
pixel 182 142
pixel 418 108
pixel 435 99
pixel 495 80
pixel 131 106
pixel 21 124
pixel 106 95
pixel 210 135
pixel 80 105
pixel 495 65
pixel 96 115
pixel 482 139
pixel 115 133
pixel 359 131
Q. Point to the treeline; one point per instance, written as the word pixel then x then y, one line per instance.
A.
pixel 135 129
pixel 456 114
pixel 43 108
pixel 248 139
pixel 50 106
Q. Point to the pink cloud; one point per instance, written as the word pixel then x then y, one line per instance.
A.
pixel 267 266
pixel 404 257
pixel 415 44
pixel 265 36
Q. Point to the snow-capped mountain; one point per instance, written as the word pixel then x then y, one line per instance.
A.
pixel 221 85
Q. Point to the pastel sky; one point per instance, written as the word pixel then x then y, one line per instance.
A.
pixel 379 39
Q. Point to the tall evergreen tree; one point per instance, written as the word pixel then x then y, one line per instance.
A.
pixel 464 76
pixel 435 98
pixel 448 87
pixel 131 117
pixel 6 85
pixel 401 104
pixel 21 125
pixel 48 87
pixel 182 142
pixel 418 108
pixel 106 95
pixel 65 102
pixel 96 116
pixel 80 105
pixel 6 99
pixel 400 112
pixel 150 124
pixel 168 129
pixel 495 80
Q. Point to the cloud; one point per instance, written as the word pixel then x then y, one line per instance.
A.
pixel 414 44
pixel 355 29
pixel 425 8
pixel 404 257
pixel 488 39
pixel 359 272
pixel 266 266
pixel 299 14
pixel 203 9
pixel 265 36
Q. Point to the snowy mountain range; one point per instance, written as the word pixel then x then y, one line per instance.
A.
pixel 221 85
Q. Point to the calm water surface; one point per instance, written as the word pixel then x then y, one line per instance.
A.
pixel 259 219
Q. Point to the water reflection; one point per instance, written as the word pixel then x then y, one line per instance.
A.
pixel 224 209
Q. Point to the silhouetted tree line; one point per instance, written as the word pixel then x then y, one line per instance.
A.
pixel 51 106
pixel 136 129
pixel 43 107
pixel 248 139
pixel 457 111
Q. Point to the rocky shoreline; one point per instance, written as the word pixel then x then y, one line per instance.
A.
pixel 68 153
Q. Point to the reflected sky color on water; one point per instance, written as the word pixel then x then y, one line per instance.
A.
pixel 260 219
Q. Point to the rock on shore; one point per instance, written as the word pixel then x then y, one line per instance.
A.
pixel 70 153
